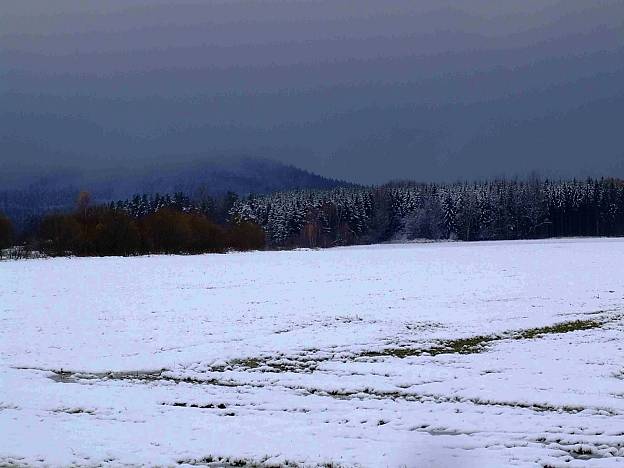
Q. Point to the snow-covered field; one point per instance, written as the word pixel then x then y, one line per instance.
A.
pixel 452 354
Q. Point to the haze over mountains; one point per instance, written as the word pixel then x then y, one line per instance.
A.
pixel 365 91
pixel 33 194
pixel 190 174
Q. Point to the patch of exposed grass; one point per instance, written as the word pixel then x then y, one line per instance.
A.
pixel 470 345
pixel 65 376
pixel 249 363
pixel 297 364
pixel 564 327
pixel 477 344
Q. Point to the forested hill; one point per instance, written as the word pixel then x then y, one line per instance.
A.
pixel 33 194
pixel 477 211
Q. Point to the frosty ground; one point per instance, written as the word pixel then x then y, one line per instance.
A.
pixel 451 354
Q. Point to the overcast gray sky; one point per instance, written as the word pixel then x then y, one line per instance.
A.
pixel 363 90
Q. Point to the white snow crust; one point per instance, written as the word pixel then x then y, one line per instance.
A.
pixel 452 354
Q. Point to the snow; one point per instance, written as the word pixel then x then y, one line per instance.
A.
pixel 391 355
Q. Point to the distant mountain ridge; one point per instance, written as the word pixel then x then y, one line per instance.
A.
pixel 40 192
pixel 213 176
pixel 186 173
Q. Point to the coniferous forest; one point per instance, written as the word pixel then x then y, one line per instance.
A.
pixel 494 210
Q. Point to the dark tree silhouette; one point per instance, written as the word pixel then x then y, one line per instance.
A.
pixel 6 232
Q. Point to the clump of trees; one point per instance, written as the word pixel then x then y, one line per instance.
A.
pixel 103 230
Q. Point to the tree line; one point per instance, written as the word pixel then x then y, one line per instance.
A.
pixel 177 224
pixel 492 210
